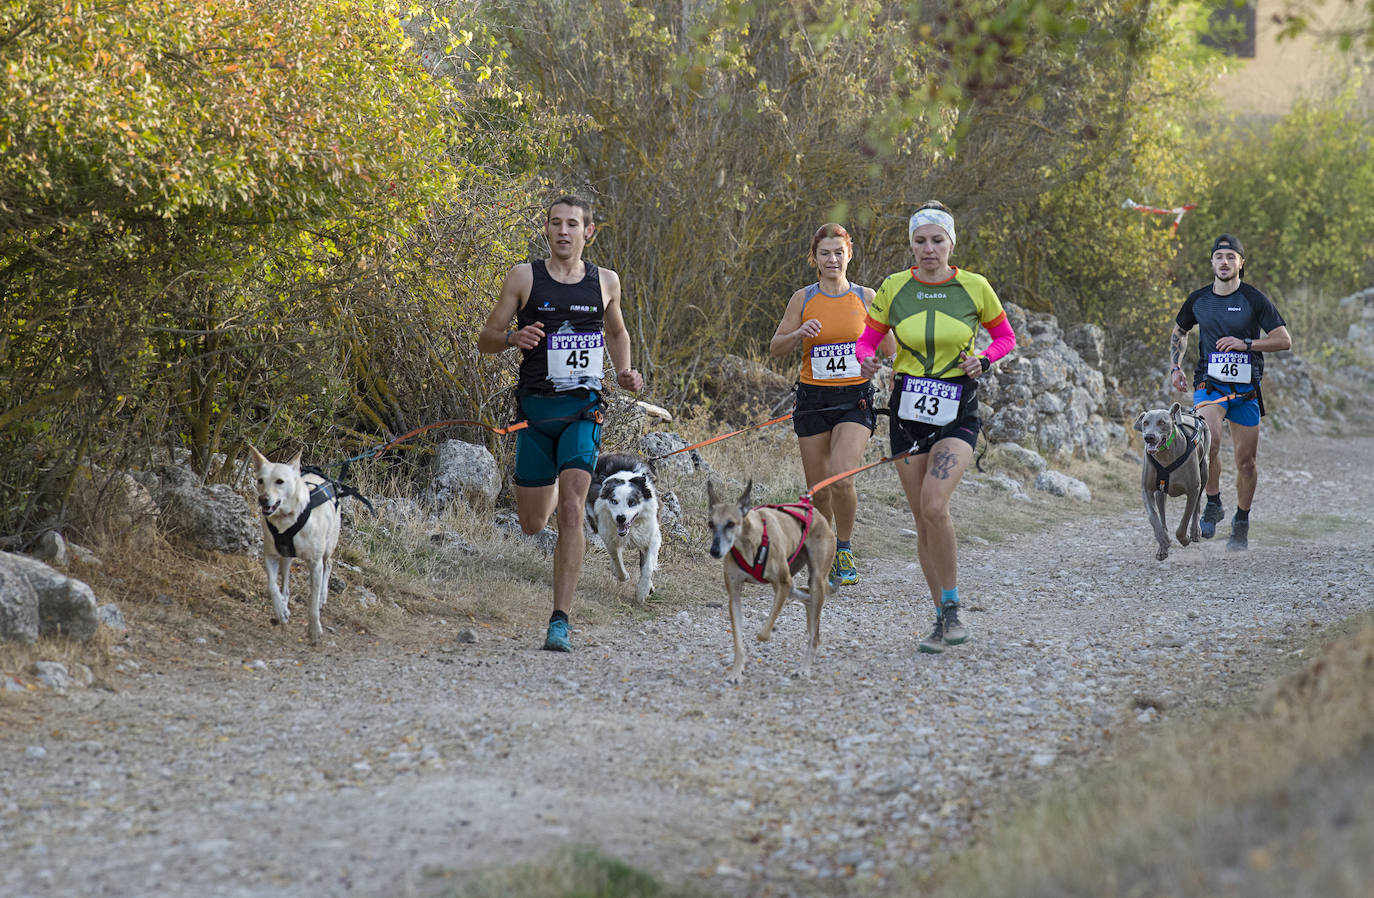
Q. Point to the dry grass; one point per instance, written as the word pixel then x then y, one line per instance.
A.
pixel 570 873
pixel 1273 801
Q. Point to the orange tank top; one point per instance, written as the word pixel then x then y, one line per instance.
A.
pixel 829 358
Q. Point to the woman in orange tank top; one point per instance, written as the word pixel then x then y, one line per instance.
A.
pixel 834 416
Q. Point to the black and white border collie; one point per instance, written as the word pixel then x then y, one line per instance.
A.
pixel 622 507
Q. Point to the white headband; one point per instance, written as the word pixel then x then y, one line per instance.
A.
pixel 931 216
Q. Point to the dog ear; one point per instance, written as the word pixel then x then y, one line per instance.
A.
pixel 256 457
pixel 643 483
pixel 296 462
pixel 1140 421
pixel 744 497
pixel 711 493
pixel 1174 411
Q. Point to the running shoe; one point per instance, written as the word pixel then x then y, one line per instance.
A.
pixel 843 570
pixel 556 640
pixel 1240 537
pixel 934 644
pixel 955 632
pixel 1212 513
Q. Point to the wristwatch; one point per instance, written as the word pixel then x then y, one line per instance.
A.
pixel 1248 343
pixel 983 360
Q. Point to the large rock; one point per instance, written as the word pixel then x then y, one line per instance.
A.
pixel 36 600
pixel 211 516
pixel 1045 393
pixel 664 448
pixel 465 472
pixel 18 604
pixel 1360 336
pixel 742 392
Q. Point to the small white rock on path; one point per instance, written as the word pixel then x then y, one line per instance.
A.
pixel 337 773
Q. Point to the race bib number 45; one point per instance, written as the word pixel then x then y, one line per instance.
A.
pixel 929 400
pixel 833 360
pixel 573 356
pixel 1229 367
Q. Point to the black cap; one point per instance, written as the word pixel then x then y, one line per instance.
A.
pixel 1228 241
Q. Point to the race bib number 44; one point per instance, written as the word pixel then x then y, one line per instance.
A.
pixel 929 400
pixel 833 360
pixel 573 356
pixel 1229 367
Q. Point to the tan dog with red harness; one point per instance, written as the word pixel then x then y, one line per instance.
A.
pixel 770 544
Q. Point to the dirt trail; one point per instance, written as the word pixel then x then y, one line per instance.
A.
pixel 349 771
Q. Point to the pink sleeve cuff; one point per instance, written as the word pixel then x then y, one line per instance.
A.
pixel 869 340
pixel 1003 339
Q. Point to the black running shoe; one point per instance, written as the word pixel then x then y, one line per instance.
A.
pixel 1240 537
pixel 1212 513
pixel 934 644
pixel 955 632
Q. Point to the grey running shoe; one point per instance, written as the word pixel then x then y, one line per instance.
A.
pixel 1240 537
pixel 955 632
pixel 1211 516
pixel 934 644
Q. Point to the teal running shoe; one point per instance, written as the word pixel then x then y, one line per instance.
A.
pixel 844 570
pixel 556 640
pixel 934 644
pixel 955 632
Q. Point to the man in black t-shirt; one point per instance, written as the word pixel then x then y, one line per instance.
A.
pixel 1236 323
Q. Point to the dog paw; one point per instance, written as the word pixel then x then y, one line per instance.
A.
pixel 1162 554
pixel 282 615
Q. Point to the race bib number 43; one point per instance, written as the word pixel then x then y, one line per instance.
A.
pixel 929 400
pixel 833 360
pixel 1229 367
pixel 573 356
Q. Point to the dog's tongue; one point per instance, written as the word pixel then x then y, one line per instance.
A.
pixel 622 528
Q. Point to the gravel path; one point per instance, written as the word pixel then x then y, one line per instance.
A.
pixel 345 772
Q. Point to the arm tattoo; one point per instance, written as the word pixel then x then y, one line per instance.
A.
pixel 941 461
pixel 1176 348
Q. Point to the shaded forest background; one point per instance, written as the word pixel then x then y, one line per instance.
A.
pixel 224 222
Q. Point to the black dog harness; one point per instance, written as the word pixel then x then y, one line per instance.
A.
pixel 320 493
pixel 1164 471
pixel 803 511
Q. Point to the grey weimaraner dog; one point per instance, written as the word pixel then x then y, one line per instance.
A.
pixel 1176 444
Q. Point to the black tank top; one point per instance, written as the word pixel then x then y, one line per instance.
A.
pixel 574 323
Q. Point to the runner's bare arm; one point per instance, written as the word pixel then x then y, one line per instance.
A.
pixel 496 334
pixel 1177 346
pixel 791 328
pixel 617 336
pixel 1277 340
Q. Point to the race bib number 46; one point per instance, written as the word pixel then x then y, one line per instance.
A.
pixel 573 356
pixel 929 400
pixel 1229 367
pixel 832 360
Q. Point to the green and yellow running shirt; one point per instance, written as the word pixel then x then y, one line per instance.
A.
pixel 934 323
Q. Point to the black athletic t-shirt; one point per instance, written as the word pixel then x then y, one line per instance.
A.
pixel 1241 314
pixel 573 317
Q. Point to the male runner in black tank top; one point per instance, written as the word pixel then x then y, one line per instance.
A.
pixel 567 316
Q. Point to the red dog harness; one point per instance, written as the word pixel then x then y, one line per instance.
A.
pixel 802 511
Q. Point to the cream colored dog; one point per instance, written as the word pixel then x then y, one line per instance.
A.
pixel 300 519
pixel 770 544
